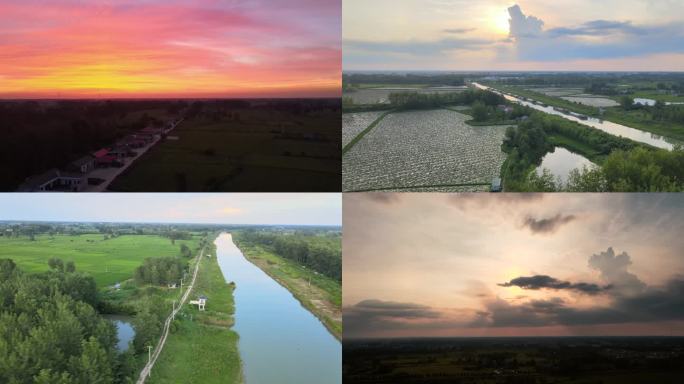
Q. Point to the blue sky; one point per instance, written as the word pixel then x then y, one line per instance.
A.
pixel 221 208
pixel 622 35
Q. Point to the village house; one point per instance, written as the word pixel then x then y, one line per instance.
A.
pixel 104 159
pixel 54 180
pixel 200 302
pixel 83 165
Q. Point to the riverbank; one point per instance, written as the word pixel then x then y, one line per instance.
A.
pixel 321 295
pixel 202 346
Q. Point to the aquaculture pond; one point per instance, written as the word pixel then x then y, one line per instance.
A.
pixel 280 341
pixel 432 150
pixel 561 161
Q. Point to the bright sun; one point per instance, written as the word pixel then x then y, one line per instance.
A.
pixel 499 22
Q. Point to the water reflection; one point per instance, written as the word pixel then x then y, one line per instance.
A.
pixel 561 161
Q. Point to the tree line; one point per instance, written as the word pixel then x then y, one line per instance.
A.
pixel 322 257
pixel 415 100
pixel 160 271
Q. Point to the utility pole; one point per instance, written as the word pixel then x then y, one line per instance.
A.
pixel 149 359
pixel 173 311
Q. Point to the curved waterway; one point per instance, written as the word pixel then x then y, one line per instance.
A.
pixel 606 126
pixel 280 341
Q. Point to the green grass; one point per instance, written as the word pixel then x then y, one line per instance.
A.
pixel 295 278
pixel 245 155
pixel 108 261
pixel 202 348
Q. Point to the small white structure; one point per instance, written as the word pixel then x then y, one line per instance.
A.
pixel 172 285
pixel 201 302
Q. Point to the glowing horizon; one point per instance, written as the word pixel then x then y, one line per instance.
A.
pixel 170 49
pixel 484 265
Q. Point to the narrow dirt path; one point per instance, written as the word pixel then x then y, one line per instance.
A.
pixel 157 350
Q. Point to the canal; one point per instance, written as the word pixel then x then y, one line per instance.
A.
pixel 606 126
pixel 280 341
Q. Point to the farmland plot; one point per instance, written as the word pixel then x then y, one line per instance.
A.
pixel 557 91
pixel 593 101
pixel 424 150
pixel 354 123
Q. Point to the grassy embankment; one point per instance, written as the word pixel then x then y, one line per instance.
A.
pixel 635 119
pixel 241 154
pixel 321 295
pixel 202 347
pixel 108 261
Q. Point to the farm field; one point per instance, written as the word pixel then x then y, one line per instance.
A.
pixel 108 261
pixel 354 123
pixel 260 150
pixel 433 149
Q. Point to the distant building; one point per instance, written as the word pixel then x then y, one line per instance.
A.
pixel 54 180
pixel 83 165
pixel 200 302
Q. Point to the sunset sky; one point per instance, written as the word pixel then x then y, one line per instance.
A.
pixel 170 48
pixel 559 35
pixel 218 208
pixel 513 265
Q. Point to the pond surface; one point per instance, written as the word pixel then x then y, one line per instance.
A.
pixel 124 330
pixel 606 126
pixel 280 341
pixel 561 161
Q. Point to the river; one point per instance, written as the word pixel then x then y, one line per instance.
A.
pixel 280 341
pixel 606 126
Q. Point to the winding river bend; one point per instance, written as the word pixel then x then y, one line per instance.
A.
pixel 606 126
pixel 280 341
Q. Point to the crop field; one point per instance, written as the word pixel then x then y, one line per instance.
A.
pixel 381 95
pixel 432 149
pixel 354 123
pixel 108 261
pixel 593 101
pixel 263 151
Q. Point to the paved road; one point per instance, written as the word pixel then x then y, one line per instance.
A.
pixel 157 350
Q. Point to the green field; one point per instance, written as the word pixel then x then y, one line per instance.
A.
pixel 202 348
pixel 263 151
pixel 323 297
pixel 108 261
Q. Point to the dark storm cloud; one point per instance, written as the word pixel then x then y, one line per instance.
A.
pixel 379 308
pixel 545 226
pixel 548 282
pixel 369 316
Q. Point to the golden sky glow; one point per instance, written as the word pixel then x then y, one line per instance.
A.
pixel 155 48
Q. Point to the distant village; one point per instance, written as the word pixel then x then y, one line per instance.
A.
pixel 98 168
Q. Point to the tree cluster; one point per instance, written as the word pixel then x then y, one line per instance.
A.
pixel 50 331
pixel 322 257
pixel 160 271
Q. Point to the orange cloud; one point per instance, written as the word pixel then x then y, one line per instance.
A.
pixel 170 49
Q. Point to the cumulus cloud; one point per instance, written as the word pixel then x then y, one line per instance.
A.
pixel 371 316
pixel 521 25
pixel 547 226
pixel 619 39
pixel 543 281
pixel 613 269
